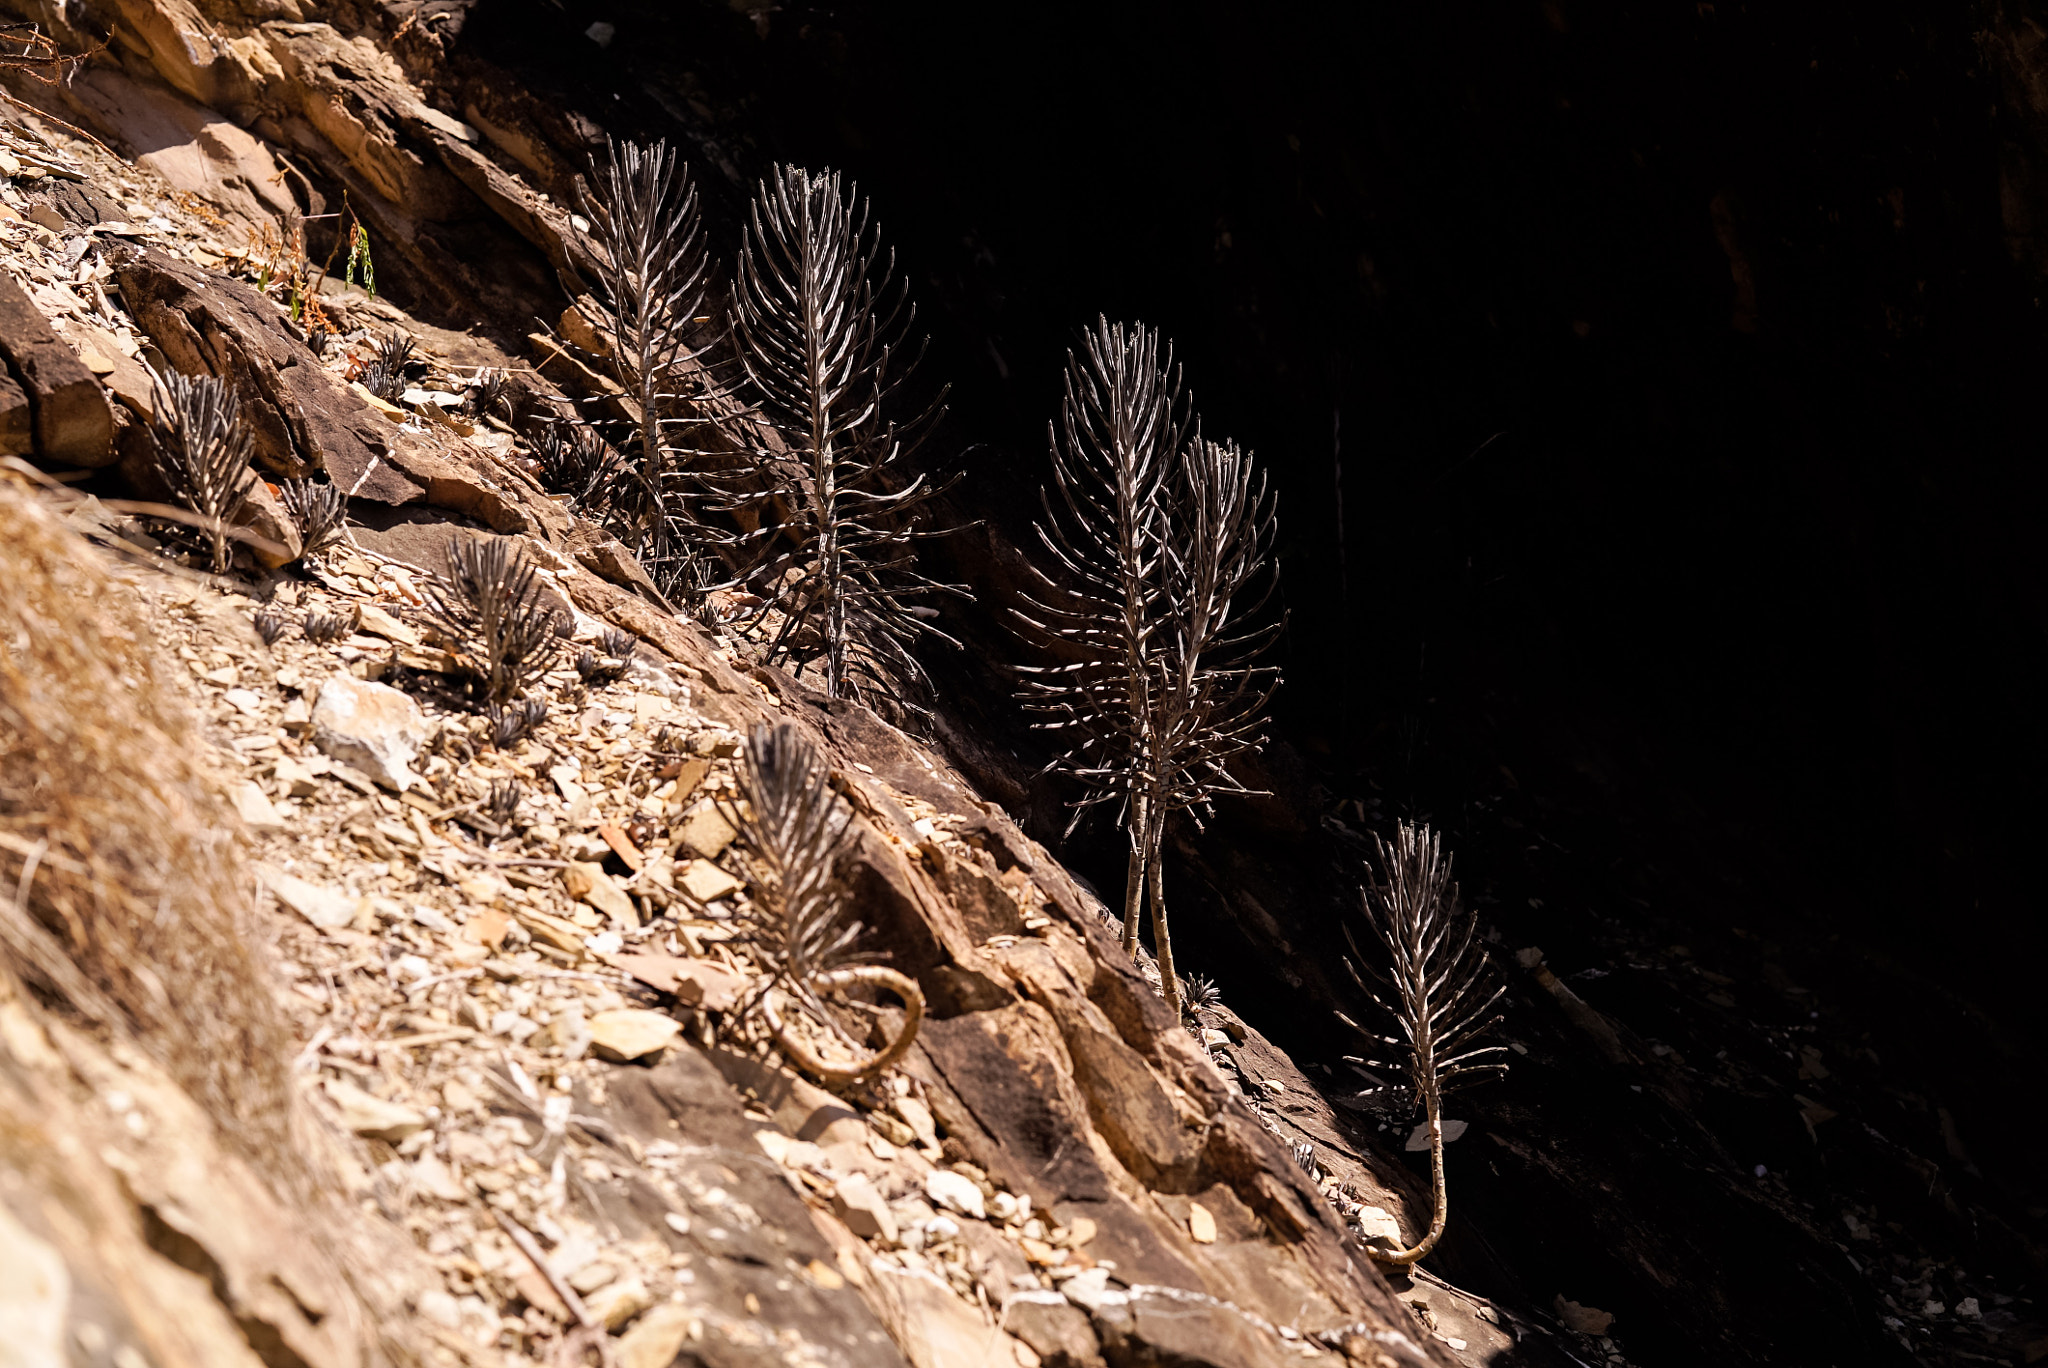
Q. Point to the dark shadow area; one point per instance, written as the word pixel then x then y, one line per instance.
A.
pixel 1652 400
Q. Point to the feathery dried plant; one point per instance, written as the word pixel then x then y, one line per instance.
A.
pixel 1122 419
pixel 819 323
pixel 794 829
pixel 320 511
pixel 493 615
pixel 203 452
pixel 648 238
pixel 1441 985
pixel 1161 545
pixel 1210 703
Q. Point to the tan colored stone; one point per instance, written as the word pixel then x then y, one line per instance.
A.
pixel 255 809
pixel 590 883
pixel 371 726
pixel 630 1033
pixel 704 831
pixel 372 1117
pixel 377 622
pixel 706 882
pixel 1201 1224
pixel 326 908
pixel 856 1202
pixel 656 1339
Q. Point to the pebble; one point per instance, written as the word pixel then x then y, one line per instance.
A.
pixel 372 1117
pixel 630 1033
pixel 956 1193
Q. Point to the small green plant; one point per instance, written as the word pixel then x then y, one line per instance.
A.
pixel 360 268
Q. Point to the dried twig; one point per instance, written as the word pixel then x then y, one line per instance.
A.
pixel 1442 987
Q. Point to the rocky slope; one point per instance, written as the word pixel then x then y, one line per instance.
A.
pixel 1057 1174
pixel 527 1119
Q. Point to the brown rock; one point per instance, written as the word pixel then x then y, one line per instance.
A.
pixel 1058 1331
pixel 17 422
pixel 71 421
pixel 590 883
pixel 300 418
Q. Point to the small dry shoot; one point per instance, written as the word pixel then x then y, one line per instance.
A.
pixel 795 828
pixel 203 453
pixel 1441 985
pixel 493 615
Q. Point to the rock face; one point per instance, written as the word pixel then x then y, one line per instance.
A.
pixel 1048 1083
pixel 70 421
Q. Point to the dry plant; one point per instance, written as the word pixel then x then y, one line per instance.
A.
pixel 795 829
pixel 491 613
pixel 202 452
pixel 1442 988
pixel 1209 704
pixel 1161 543
pixel 125 897
pixel 320 511
pixel 652 267
pixel 819 328
pixel 1121 422
pixel 384 373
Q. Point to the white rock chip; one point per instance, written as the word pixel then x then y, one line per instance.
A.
pixel 326 908
pixel 371 726
pixel 373 1117
pixel 956 1193
pixel 256 810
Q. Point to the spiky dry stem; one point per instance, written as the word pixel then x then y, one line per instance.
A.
pixel 494 616
pixel 1159 540
pixel 819 329
pixel 1439 979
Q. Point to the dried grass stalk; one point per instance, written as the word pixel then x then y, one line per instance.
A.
pixel 123 897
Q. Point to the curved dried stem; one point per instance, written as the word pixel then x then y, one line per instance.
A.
pixel 874 976
pixel 1442 988
pixel 819 329
pixel 795 828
